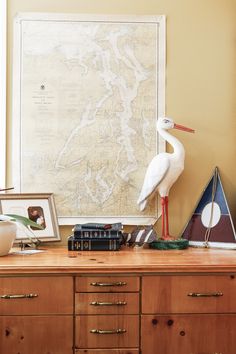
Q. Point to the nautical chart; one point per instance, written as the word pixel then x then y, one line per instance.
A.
pixel 89 94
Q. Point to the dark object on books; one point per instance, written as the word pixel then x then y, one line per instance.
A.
pixel 141 235
pixel 94 244
pixel 98 226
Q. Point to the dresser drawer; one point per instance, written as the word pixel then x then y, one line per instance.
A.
pixel 120 331
pixel 36 334
pixel 36 295
pixel 107 284
pixel 190 294
pixel 106 303
pixel 188 334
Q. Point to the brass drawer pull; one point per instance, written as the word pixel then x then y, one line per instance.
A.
pixel 112 331
pixel 118 283
pixel 117 303
pixel 205 294
pixel 19 296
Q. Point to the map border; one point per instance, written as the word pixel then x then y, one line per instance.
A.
pixel 160 20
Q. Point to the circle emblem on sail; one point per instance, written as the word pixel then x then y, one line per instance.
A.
pixel 211 215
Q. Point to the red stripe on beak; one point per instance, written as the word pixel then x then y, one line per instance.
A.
pixel 182 127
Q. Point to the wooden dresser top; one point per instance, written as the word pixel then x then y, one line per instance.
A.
pixel 127 260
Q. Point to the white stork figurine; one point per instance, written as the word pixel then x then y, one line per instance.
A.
pixel 163 171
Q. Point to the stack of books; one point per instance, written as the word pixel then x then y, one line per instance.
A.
pixel 96 237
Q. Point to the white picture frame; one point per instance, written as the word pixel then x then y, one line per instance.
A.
pixel 39 208
pixel 66 200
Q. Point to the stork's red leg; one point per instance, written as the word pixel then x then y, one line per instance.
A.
pixel 163 216
pixel 167 217
pixel 165 220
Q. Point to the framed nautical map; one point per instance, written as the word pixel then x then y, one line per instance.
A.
pixel 87 93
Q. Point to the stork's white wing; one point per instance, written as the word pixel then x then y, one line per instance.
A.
pixel 155 173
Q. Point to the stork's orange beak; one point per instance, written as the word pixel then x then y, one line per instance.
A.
pixel 182 127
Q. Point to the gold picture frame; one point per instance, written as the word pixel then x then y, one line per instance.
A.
pixel 39 208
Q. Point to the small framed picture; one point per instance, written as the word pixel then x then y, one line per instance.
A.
pixel 39 208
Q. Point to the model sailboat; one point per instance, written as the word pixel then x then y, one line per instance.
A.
pixel 211 224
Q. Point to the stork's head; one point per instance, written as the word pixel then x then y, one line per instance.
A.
pixel 168 123
pixel 165 123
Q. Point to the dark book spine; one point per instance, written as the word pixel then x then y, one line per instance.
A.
pixel 93 245
pixel 80 234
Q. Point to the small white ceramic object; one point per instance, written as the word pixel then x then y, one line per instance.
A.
pixel 7 236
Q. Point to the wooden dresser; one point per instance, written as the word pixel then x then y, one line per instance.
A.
pixel 126 302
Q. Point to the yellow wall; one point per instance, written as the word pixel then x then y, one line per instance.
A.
pixel 200 85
